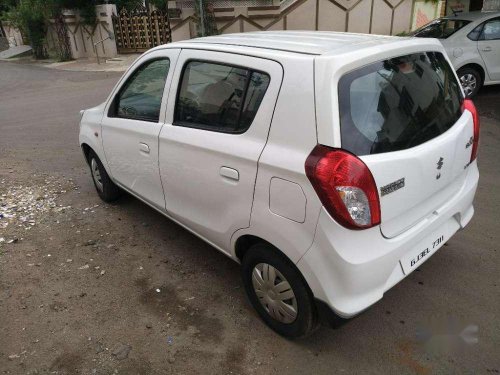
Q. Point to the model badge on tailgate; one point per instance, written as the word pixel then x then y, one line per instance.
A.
pixel 392 187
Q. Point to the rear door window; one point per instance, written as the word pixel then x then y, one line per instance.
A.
pixel 398 103
pixel 219 97
pixel 440 28
pixel 491 30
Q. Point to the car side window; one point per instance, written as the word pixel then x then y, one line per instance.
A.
pixel 256 89
pixel 475 34
pixel 491 30
pixel 140 97
pixel 219 97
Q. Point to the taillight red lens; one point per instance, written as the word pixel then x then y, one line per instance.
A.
pixel 469 106
pixel 345 186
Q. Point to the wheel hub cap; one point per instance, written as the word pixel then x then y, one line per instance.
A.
pixel 96 174
pixel 469 83
pixel 275 293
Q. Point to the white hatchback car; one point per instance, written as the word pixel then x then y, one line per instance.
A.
pixel 472 41
pixel 329 165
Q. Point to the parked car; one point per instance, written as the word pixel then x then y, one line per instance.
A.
pixel 472 41
pixel 329 165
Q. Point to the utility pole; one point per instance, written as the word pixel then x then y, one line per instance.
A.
pixel 202 18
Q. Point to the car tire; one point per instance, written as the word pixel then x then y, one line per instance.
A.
pixel 265 273
pixel 471 81
pixel 106 188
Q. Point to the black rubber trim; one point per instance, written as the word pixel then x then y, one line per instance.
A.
pixel 327 316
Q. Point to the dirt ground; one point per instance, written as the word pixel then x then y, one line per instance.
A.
pixel 92 288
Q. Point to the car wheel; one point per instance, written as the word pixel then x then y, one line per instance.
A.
pixel 471 81
pixel 106 188
pixel 278 292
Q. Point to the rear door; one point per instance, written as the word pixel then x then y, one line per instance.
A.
pixel 215 131
pixel 489 47
pixel 403 118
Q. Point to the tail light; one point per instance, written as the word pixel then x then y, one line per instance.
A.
pixel 469 106
pixel 345 186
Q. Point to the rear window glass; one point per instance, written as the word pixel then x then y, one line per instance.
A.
pixel 398 103
pixel 441 28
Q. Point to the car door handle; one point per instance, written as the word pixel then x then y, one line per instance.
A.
pixel 144 148
pixel 230 173
pixel 487 49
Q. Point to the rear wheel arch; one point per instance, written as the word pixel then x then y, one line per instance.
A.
pixel 247 241
pixel 475 67
pixel 244 243
pixel 471 77
pixel 255 251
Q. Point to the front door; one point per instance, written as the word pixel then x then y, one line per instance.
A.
pixel 489 47
pixel 132 122
pixel 214 134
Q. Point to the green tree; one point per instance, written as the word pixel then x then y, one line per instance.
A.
pixel 131 4
pixel 6 5
pixel 127 4
pixel 29 16
pixel 159 4
pixel 32 17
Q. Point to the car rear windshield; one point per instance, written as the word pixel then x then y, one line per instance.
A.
pixel 398 103
pixel 441 28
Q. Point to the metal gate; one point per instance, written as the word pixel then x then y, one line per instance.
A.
pixel 139 30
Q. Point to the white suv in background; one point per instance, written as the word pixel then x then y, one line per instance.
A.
pixel 472 41
pixel 329 165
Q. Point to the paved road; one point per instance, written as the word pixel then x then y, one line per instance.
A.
pixel 96 288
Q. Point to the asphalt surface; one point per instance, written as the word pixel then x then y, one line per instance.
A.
pixel 93 288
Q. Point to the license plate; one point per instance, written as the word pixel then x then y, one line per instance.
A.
pixel 418 256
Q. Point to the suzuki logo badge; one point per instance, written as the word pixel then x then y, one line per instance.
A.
pixel 440 163
pixel 439 166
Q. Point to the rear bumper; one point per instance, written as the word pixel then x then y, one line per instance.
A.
pixel 351 270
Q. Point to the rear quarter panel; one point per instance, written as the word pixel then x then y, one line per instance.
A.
pixel 462 51
pixel 291 139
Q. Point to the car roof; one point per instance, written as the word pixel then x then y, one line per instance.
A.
pixel 304 42
pixel 473 16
